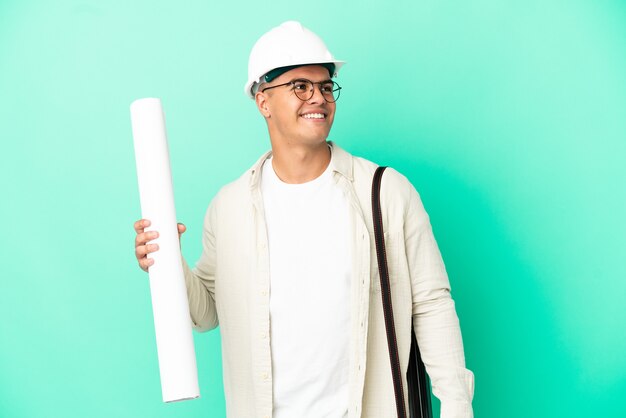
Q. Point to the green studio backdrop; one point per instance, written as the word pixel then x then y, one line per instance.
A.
pixel 508 117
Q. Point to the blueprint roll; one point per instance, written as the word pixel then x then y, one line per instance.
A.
pixel 170 306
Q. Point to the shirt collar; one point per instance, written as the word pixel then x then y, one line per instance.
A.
pixel 340 160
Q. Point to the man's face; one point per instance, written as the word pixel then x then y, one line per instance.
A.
pixel 292 121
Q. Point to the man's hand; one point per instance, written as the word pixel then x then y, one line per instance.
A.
pixel 142 245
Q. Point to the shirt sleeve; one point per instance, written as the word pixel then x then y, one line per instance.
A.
pixel 434 316
pixel 200 280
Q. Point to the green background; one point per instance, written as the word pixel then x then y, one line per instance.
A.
pixel 509 118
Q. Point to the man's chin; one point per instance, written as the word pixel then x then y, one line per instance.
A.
pixel 319 140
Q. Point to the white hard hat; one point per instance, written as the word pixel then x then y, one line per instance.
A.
pixel 287 45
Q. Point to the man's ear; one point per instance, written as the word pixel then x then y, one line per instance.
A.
pixel 262 104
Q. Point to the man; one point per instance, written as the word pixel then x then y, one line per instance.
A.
pixel 289 263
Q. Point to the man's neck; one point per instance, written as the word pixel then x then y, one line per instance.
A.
pixel 300 164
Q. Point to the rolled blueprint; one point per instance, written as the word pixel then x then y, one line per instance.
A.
pixel 170 306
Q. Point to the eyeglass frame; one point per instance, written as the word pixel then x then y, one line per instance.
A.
pixel 312 91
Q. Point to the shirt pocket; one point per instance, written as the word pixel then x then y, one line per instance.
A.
pixel 392 251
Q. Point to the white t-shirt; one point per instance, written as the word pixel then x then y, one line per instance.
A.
pixel 310 267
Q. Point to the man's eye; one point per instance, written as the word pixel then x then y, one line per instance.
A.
pixel 327 88
pixel 300 86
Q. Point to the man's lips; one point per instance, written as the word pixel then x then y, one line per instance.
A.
pixel 314 115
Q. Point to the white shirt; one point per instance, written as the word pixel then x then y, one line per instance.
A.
pixel 310 268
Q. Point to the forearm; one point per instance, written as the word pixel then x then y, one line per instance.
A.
pixel 201 300
pixel 441 346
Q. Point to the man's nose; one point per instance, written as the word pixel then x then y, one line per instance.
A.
pixel 318 96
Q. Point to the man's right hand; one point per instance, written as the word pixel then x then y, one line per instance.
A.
pixel 142 245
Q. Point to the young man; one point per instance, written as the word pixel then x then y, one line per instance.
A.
pixel 289 263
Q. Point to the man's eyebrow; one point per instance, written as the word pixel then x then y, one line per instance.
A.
pixel 328 80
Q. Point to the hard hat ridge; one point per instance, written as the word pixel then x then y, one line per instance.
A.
pixel 285 47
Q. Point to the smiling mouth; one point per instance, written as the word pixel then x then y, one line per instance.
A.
pixel 318 116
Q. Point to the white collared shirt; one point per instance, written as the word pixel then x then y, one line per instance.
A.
pixel 231 281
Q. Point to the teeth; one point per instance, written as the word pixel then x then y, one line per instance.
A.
pixel 313 116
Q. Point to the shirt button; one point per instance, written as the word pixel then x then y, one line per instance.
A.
pixel 265 376
pixel 263 292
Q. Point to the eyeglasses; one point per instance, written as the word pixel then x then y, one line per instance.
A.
pixel 303 89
